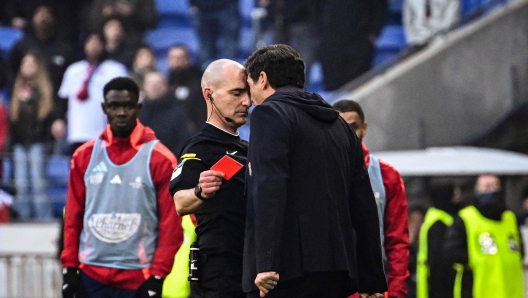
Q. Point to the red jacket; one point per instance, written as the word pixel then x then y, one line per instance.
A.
pixel 170 238
pixel 396 228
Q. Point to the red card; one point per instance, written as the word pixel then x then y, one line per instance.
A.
pixel 228 166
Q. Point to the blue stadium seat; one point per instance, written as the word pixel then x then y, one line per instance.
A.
pixel 247 41
pixel 390 42
pixel 171 7
pixel 57 196
pixel 8 38
pixel 173 13
pixel 7 172
pixel 314 83
pixel 391 37
pixel 161 63
pixel 381 56
pixel 245 7
pixel 161 39
pixel 58 169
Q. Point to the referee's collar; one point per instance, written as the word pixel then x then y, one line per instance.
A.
pixel 235 135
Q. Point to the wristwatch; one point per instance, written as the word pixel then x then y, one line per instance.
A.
pixel 198 192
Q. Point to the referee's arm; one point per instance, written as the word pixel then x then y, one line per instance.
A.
pixel 188 201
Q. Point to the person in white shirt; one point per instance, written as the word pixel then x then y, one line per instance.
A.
pixel 81 87
pixel 424 19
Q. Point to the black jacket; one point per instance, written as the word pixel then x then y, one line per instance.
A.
pixel 310 203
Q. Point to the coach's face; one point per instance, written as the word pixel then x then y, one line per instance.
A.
pixel 121 108
pixel 255 91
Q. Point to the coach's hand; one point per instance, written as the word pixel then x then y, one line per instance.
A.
pixel 71 282
pixel 266 281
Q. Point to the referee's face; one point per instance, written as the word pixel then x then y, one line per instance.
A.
pixel 232 98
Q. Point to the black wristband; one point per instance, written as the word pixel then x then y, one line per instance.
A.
pixel 198 192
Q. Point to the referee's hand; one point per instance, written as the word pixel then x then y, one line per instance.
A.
pixel 210 182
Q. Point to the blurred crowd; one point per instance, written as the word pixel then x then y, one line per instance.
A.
pixel 51 79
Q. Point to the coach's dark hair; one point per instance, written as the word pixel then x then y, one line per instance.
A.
pixel 348 105
pixel 121 83
pixel 281 63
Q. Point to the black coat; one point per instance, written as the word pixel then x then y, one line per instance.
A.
pixel 310 203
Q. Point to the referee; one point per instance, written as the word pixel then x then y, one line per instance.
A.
pixel 219 204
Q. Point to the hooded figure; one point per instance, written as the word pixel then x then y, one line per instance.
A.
pixel 312 226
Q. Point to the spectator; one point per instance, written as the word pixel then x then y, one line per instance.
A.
pixel 348 35
pixel 416 218
pixel 143 63
pixel 137 16
pixel 184 81
pixel 434 273
pixel 423 19
pixel 115 36
pixel 81 91
pixel 163 114
pixel 294 23
pixel 523 218
pixel 391 200
pixel 18 14
pixel 31 107
pixel 216 20
pixel 485 247
pixel 43 36
pixel 121 227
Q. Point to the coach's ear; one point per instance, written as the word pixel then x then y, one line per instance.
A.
pixel 263 81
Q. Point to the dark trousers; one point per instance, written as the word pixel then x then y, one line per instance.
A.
pixel 94 289
pixel 311 285
pixel 198 291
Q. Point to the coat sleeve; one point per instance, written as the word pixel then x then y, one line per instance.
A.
pixel 396 231
pixel 270 140
pixel 364 215
pixel 170 231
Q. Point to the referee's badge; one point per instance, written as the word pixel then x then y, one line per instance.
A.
pixel 177 171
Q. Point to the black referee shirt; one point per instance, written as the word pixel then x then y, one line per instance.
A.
pixel 221 219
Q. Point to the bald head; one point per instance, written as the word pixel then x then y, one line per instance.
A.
pixel 214 73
